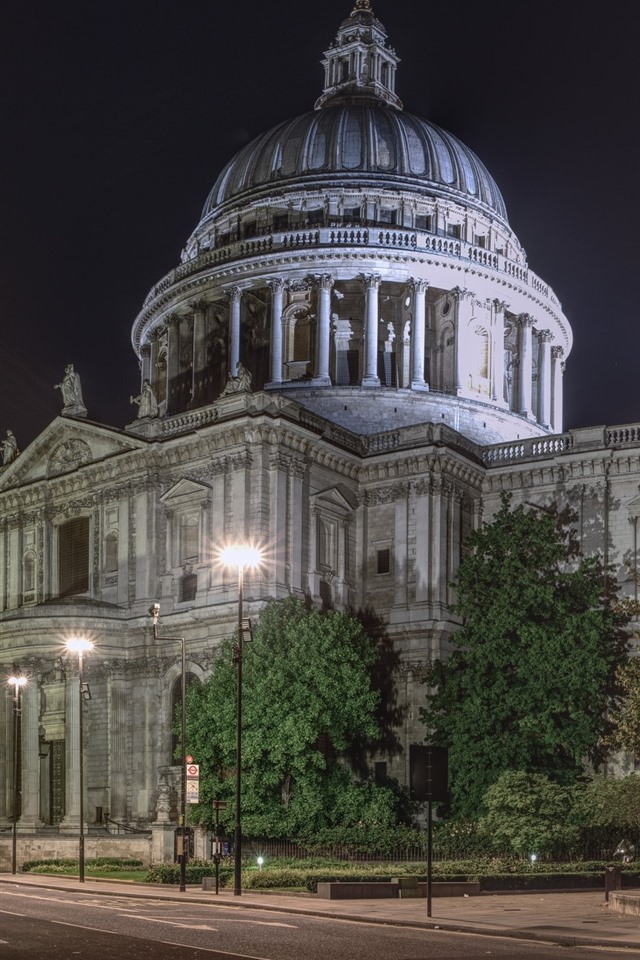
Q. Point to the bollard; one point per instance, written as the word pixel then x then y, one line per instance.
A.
pixel 612 879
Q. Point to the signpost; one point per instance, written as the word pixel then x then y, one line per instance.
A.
pixel 218 805
pixel 428 780
pixel 193 781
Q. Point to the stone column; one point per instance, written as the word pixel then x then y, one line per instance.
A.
pixel 145 352
pixel 557 369
pixel 544 378
pixel 6 756
pixel 372 283
pixel 235 297
pixel 419 288
pixel 173 362
pixel 118 691
pixel 30 809
pixel 153 362
pixel 524 380
pixel 277 289
pixel 464 312
pixel 71 822
pixel 324 286
pixel 497 351
pixel 199 356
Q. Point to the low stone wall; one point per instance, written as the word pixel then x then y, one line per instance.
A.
pixel 46 847
pixel 628 903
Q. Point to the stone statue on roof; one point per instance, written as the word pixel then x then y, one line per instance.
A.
pixel 73 404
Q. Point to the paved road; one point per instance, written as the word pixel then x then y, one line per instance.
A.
pixel 42 924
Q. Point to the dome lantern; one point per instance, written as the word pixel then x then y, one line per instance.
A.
pixel 360 63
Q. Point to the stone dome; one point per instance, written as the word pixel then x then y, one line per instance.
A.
pixel 364 138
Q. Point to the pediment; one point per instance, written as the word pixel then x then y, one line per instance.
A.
pixel 64 446
pixel 339 497
pixel 183 491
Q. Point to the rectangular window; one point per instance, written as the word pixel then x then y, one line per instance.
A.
pixel 454 230
pixel 423 222
pixel 384 560
pixel 188 587
pixel 281 221
pixel 249 229
pixel 315 216
pixel 73 557
pixel 387 216
pixel 351 214
pixel 480 241
pixel 380 771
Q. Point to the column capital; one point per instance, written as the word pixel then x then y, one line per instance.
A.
pixel 418 286
pixel 145 350
pixel 525 320
pixel 557 353
pixel 234 294
pixel 371 281
pixel 277 284
pixel 545 336
pixel 172 320
pixel 199 306
pixel 500 305
pixel 323 281
pixel 459 294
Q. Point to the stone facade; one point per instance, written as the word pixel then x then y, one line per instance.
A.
pixel 348 367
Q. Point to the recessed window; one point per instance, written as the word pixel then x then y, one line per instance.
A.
pixel 384 560
pixel 387 216
pixel 351 213
pixel 249 229
pixel 454 230
pixel 316 216
pixel 423 222
pixel 188 587
pixel 480 241
pixel 281 221
pixel 73 557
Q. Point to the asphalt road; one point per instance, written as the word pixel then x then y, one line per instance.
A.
pixel 52 925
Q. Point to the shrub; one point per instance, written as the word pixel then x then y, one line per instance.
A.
pixel 527 813
pixel 71 865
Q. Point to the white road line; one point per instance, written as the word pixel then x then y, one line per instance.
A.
pixel 171 943
pixel 185 921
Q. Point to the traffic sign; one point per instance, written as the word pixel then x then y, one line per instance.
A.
pixel 193 771
pixel 193 791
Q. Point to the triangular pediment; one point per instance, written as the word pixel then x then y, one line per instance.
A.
pixel 64 446
pixel 338 496
pixel 185 490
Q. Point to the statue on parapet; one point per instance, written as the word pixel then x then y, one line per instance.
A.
pixel 241 383
pixel 9 448
pixel 71 389
pixel 147 403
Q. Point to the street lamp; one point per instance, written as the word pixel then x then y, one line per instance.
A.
pixel 17 682
pixel 183 847
pixel 239 557
pixel 81 645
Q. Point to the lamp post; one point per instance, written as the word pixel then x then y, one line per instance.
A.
pixel 183 848
pixel 239 557
pixel 81 645
pixel 17 682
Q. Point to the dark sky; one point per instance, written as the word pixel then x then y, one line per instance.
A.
pixel 117 118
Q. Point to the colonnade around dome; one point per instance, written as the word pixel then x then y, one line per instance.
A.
pixel 366 330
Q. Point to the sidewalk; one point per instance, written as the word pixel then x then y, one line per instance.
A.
pixel 571 919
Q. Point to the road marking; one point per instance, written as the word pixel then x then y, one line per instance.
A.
pixel 185 922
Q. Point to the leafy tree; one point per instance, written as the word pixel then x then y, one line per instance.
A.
pixel 307 699
pixel 626 718
pixel 611 802
pixel 532 674
pixel 528 814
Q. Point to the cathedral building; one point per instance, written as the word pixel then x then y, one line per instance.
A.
pixel 348 366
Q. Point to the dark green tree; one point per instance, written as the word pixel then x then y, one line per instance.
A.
pixel 532 674
pixel 308 699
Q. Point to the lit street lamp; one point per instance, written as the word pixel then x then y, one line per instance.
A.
pixel 239 557
pixel 183 847
pixel 81 645
pixel 17 682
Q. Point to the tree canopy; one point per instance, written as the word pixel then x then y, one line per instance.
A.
pixel 308 697
pixel 532 675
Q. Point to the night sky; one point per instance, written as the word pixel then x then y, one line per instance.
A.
pixel 118 117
